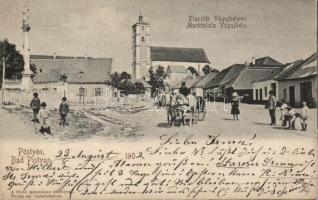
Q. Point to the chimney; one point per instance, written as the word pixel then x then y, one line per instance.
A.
pixel 253 61
pixel 54 55
pixel 140 17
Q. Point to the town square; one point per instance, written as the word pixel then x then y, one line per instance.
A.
pixel 158 99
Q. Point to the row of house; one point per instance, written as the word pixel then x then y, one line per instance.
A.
pixel 294 82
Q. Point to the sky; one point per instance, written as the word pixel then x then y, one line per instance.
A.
pixel 285 30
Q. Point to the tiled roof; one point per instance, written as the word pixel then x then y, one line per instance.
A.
pixel 175 54
pixel 233 73
pixel 267 61
pixel 302 69
pixel 205 80
pixel 215 82
pixel 248 76
pixel 176 69
pixel 95 70
pixel 279 72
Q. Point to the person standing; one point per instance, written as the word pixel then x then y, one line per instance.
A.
pixel 283 111
pixel 63 111
pixel 272 104
pixel 44 119
pixel 235 111
pixel 184 90
pixel 35 106
pixel 304 113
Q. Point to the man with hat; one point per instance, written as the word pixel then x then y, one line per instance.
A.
pixel 184 90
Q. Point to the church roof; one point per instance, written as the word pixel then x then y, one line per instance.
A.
pixel 94 70
pixel 141 21
pixel 176 54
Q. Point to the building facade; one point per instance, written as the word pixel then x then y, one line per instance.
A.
pixel 77 78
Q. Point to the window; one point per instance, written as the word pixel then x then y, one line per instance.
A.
pixel 260 94
pixel 256 93
pixel 285 94
pixel 98 92
pixel 265 92
pixel 142 38
pixel 142 28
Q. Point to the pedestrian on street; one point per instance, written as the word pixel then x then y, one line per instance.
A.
pixel 283 111
pixel 304 113
pixel 184 90
pixel 272 104
pixel 63 111
pixel 35 106
pixel 44 119
pixel 235 111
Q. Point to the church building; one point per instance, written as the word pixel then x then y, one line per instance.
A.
pixel 146 56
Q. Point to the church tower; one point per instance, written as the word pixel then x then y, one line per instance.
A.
pixel 140 48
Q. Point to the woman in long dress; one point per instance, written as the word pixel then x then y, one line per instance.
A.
pixel 235 111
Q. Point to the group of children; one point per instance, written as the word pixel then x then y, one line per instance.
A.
pixel 41 114
pixel 288 114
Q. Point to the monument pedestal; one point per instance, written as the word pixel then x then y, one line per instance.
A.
pixel 26 81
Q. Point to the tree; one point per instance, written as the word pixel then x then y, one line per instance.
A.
pixel 157 78
pixel 139 88
pixel 124 76
pixel 206 69
pixel 115 80
pixel 193 71
pixel 127 87
pixel 13 60
pixel 122 82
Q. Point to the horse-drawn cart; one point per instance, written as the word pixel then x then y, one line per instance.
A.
pixel 182 111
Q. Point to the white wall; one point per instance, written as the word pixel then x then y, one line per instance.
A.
pixel 286 84
pixel 196 66
pixel 262 85
pixel 55 90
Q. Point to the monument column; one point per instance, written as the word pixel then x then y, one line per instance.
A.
pixel 26 82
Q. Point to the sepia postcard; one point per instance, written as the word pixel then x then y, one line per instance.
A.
pixel 158 99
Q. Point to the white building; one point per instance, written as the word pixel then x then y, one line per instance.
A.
pixel 263 85
pixel 77 78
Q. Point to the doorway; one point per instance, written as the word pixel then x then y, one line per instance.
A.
pixel 306 91
pixel 292 96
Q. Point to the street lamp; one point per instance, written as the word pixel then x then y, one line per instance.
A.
pixel 82 90
pixel 63 78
